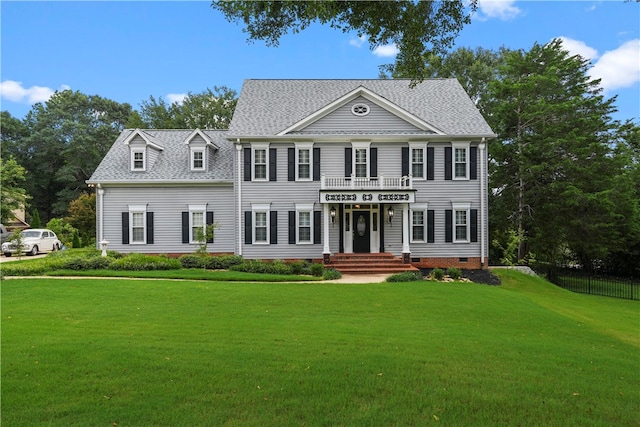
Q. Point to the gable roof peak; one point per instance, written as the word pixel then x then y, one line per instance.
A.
pixel 198 132
pixel 148 139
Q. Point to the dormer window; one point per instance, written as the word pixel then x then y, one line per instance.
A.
pixel 138 160
pixel 197 159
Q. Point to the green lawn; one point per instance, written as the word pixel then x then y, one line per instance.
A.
pixel 105 352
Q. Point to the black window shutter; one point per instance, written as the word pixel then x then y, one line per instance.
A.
pixel 316 227
pixel 292 227
pixel 448 225
pixel 273 164
pixel 247 164
pixel 185 227
pixel 430 163
pixel 447 163
pixel 347 162
pixel 273 227
pixel 210 222
pixel 149 228
pixel 316 164
pixel 431 226
pixel 474 225
pixel 373 162
pixel 125 228
pixel 291 164
pixel 248 229
pixel 405 161
pixel 473 163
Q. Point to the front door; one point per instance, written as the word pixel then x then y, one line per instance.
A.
pixel 361 232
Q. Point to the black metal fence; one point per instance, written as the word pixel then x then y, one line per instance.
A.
pixel 594 283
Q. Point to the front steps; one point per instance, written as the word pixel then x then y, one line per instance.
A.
pixel 381 263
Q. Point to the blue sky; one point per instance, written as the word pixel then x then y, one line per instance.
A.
pixel 127 51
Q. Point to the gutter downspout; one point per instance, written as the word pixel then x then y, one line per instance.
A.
pixel 239 178
pixel 100 201
pixel 482 203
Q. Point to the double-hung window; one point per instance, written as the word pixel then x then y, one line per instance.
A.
pixel 138 160
pixel 197 159
pixel 261 223
pixel 419 222
pixel 304 230
pixel 260 162
pixel 304 160
pixel 418 160
pixel 137 224
pixel 197 223
pixel 361 162
pixel 461 224
pixel 461 160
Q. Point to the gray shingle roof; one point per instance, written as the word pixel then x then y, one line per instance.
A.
pixel 267 107
pixel 172 163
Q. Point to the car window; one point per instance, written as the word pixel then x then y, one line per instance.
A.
pixel 45 234
pixel 30 233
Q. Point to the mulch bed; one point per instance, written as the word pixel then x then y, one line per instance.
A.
pixel 476 276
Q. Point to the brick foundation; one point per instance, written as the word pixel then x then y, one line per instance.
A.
pixel 470 263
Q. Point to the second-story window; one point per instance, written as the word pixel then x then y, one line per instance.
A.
pixel 361 162
pixel 197 159
pixel 260 163
pixel 138 160
pixel 304 163
pixel 460 162
pixel 417 162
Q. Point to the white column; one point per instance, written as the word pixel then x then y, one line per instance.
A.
pixel 325 231
pixel 405 229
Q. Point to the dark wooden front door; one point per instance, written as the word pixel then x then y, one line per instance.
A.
pixel 361 232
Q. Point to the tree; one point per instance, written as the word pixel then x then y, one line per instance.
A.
pixel 82 214
pixel 552 168
pixel 210 109
pixel 12 193
pixel 67 137
pixel 11 131
pixel 418 29
pixel 35 219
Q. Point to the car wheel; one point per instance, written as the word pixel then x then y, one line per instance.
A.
pixel 56 247
pixel 34 250
pixel 7 254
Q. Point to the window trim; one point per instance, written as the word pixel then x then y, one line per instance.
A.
pixel 422 147
pixel 256 209
pixel 138 209
pixel 196 209
pixel 260 147
pixel 460 146
pixel 461 207
pixel 420 207
pixel 299 147
pixel 361 146
pixel 304 208
pixel 193 151
pixel 135 151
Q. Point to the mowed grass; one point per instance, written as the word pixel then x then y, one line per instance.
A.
pixel 105 352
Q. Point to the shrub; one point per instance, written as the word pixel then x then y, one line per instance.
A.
pixel 405 276
pixel 331 274
pixel 223 262
pixel 437 274
pixel 299 267
pixel 316 269
pixel 99 263
pixel 140 262
pixel 251 266
pixel 193 261
pixel 454 273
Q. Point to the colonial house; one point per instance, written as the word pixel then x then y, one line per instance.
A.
pixel 310 169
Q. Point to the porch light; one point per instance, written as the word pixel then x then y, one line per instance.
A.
pixel 390 213
pixel 332 212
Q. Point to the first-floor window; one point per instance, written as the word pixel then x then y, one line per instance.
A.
pixel 197 225
pixel 137 227
pixel 260 229
pixel 418 225
pixel 304 227
pixel 461 226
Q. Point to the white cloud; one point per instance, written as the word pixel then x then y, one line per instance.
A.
pixel 14 91
pixel 358 42
pixel 176 98
pixel 501 9
pixel 620 67
pixel 386 50
pixel 577 47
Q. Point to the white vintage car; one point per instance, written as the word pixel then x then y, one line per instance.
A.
pixel 34 241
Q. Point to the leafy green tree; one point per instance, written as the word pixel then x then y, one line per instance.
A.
pixel 418 29
pixel 11 131
pixel 35 220
pixel 12 192
pixel 210 109
pixel 552 168
pixel 67 137
pixel 82 214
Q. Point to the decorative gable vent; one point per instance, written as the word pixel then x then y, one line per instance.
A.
pixel 360 109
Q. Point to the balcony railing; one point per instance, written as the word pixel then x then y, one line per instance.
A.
pixel 378 183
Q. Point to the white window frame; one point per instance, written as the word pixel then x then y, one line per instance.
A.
pixel 260 147
pixel 306 208
pixel 196 209
pixel 193 158
pixel 304 147
pixel 135 151
pixel 466 208
pixel 420 207
pixel 361 146
pixel 260 209
pixel 421 147
pixel 133 210
pixel 460 146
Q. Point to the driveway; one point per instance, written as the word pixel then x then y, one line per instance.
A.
pixel 16 258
